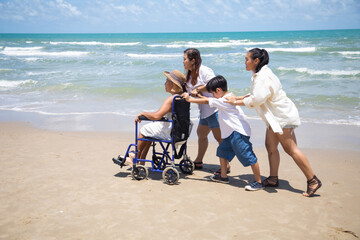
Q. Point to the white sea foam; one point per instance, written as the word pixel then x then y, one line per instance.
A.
pixel 220 44
pixel 351 57
pixel 148 55
pixel 331 121
pixel 36 51
pixel 127 114
pixel 300 42
pixel 298 50
pixel 31 59
pixel 29 41
pixel 93 43
pixel 41 73
pixel 6 84
pixel 6 70
pixel 322 72
pixel 237 54
pixel 31 110
pixel 24 49
pixel 321 121
pixel 349 52
pixel 157 56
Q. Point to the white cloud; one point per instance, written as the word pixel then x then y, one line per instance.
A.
pixel 136 10
pixel 186 2
pixel 121 8
pixel 133 9
pixel 282 3
pixel 243 16
pixel 309 17
pixel 67 6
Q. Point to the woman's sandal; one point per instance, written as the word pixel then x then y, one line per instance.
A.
pixel 198 165
pixel 312 186
pixel 218 172
pixel 271 181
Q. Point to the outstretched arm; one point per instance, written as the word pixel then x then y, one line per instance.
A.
pixel 199 100
pixel 234 100
pixel 165 108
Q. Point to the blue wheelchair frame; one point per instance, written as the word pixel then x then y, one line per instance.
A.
pixel 162 161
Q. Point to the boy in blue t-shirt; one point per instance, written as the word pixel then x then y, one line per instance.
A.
pixel 235 132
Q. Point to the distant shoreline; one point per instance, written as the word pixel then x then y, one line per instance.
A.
pixel 309 135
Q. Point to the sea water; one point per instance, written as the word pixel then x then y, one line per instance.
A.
pixel 84 80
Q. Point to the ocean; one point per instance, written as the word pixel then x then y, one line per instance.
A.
pixel 95 81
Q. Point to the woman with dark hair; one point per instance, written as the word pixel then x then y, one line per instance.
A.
pixel 280 115
pixel 197 77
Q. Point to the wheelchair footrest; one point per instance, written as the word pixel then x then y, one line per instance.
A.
pixel 119 161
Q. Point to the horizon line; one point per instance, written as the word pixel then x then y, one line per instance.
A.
pixel 341 29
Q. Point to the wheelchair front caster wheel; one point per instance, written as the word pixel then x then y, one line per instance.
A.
pixel 186 165
pixel 170 175
pixel 139 173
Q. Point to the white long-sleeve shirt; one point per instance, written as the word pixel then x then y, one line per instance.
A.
pixel 271 102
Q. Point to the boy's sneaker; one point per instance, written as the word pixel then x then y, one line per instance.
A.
pixel 254 186
pixel 218 178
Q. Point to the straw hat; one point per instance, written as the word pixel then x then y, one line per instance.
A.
pixel 177 78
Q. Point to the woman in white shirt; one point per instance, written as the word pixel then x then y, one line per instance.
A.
pixel 280 115
pixel 196 79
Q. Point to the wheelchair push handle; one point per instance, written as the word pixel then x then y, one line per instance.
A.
pixel 164 119
pixel 142 117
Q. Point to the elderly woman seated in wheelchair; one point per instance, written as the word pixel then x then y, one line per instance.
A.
pixel 170 128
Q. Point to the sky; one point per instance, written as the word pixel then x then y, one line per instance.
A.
pixel 142 16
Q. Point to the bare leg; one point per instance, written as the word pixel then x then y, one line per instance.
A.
pixel 217 134
pixel 256 170
pixel 143 148
pixel 288 142
pixel 271 143
pixel 202 132
pixel 223 165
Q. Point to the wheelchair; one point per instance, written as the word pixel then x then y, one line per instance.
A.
pixel 163 160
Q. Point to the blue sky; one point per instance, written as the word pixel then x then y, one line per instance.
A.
pixel 126 16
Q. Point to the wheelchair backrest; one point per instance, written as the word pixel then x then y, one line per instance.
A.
pixel 181 119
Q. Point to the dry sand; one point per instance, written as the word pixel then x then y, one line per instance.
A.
pixel 63 185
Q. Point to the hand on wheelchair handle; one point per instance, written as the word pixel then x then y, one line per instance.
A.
pixel 138 118
pixel 185 95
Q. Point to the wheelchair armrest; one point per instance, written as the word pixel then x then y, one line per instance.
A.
pixel 163 119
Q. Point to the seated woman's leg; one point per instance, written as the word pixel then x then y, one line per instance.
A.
pixel 143 148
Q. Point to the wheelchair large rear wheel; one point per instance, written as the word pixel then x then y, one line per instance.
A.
pixel 170 175
pixel 139 173
pixel 186 165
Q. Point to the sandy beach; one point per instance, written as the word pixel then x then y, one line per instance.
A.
pixel 63 185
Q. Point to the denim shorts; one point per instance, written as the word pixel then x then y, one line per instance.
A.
pixel 212 121
pixel 237 145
